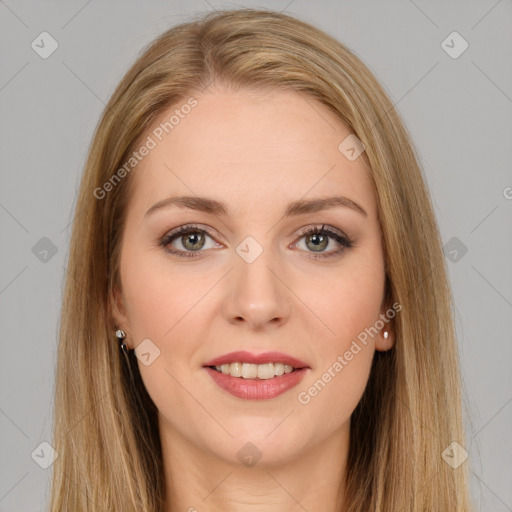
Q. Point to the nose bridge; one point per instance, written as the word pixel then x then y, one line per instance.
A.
pixel 257 294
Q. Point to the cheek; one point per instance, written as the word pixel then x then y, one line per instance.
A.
pixel 349 300
pixel 158 295
pixel 350 306
pixel 169 307
pixel 344 358
pixel 334 391
pixel 165 306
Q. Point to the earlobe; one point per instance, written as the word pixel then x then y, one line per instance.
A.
pixel 385 339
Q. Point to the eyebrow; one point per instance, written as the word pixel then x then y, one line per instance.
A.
pixel 207 205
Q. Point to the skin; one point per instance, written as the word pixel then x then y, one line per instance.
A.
pixel 257 151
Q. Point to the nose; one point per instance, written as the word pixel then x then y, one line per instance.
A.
pixel 256 293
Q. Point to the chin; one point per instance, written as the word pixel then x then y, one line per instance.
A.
pixel 263 441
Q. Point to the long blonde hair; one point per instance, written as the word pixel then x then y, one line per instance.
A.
pixel 105 426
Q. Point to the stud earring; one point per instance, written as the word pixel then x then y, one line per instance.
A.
pixel 121 335
pixel 385 334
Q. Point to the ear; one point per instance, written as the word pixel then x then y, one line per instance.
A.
pixel 118 311
pixel 385 339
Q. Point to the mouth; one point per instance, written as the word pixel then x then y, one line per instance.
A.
pixel 254 371
pixel 256 376
pixel 247 365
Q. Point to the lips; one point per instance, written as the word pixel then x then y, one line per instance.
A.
pixel 290 373
pixel 265 357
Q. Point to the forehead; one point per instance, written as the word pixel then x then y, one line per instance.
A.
pixel 250 146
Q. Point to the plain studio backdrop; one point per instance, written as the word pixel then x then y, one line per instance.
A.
pixel 446 67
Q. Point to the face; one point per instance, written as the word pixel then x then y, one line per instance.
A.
pixel 274 272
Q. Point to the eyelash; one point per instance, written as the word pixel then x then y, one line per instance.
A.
pixel 165 241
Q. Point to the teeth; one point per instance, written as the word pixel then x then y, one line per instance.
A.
pixel 253 371
pixel 266 371
pixel 235 369
pixel 279 368
pixel 249 371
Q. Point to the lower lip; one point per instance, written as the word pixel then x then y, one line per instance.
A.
pixel 257 389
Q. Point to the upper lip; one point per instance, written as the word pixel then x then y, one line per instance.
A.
pixel 243 356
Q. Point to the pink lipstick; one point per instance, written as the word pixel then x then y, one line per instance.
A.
pixel 256 376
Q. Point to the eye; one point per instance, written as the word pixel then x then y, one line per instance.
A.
pixel 190 237
pixel 188 241
pixel 319 238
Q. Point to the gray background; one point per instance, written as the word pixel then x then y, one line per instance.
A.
pixel 458 111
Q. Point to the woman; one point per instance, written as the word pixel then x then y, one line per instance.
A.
pixel 257 314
